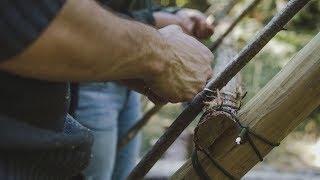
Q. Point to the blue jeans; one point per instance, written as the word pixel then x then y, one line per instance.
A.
pixel 109 110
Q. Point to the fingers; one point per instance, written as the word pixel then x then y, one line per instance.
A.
pixel 153 97
pixel 141 87
pixel 171 28
pixel 201 28
pixel 188 67
pixel 209 75
pixel 134 84
pixel 191 22
pixel 187 25
pixel 163 19
pixel 166 19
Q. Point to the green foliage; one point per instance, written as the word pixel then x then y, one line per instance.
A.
pixel 312 124
pixel 290 37
pixel 309 19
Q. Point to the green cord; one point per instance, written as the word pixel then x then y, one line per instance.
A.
pixel 197 166
pixel 201 172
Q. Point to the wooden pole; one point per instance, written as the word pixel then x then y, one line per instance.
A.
pixel 224 56
pixel 248 9
pixel 196 105
pixel 273 113
pixel 132 132
pixel 230 95
pixel 222 13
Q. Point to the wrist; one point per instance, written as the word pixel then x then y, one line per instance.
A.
pixel 171 10
pixel 163 19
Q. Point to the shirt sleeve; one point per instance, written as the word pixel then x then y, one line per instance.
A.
pixel 22 21
pixel 144 16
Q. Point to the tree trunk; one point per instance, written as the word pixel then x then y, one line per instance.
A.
pixel 273 113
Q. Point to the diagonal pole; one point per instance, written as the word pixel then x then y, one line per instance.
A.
pixel 224 12
pixel 248 9
pixel 189 114
pixel 132 132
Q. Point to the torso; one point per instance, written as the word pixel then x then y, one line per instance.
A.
pixel 39 103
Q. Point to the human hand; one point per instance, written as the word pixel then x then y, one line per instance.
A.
pixel 193 22
pixel 141 87
pixel 163 19
pixel 201 29
pixel 187 67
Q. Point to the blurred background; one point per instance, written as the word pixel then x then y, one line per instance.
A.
pixel 299 155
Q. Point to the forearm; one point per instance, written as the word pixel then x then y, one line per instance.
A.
pixel 163 19
pixel 86 42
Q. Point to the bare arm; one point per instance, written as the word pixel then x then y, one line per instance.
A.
pixel 86 42
pixel 192 22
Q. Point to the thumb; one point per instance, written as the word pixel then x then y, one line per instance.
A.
pixel 196 26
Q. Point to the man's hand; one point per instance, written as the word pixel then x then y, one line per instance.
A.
pixel 201 29
pixel 193 22
pixel 186 70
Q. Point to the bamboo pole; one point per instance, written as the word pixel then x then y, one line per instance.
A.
pixel 273 113
pixel 195 107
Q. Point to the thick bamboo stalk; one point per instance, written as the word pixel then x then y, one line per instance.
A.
pixel 273 113
pixel 196 105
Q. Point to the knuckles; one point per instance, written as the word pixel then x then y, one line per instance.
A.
pixel 195 61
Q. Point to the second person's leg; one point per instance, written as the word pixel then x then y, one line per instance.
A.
pixel 98 109
pixel 127 156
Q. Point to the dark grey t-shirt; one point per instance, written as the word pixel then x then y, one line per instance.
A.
pixel 37 138
pixel 40 103
pixel 22 21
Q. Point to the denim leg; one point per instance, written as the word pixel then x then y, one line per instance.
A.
pixel 98 109
pixel 127 156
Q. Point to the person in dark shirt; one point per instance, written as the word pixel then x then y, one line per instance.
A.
pixel 47 43
pixel 110 109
